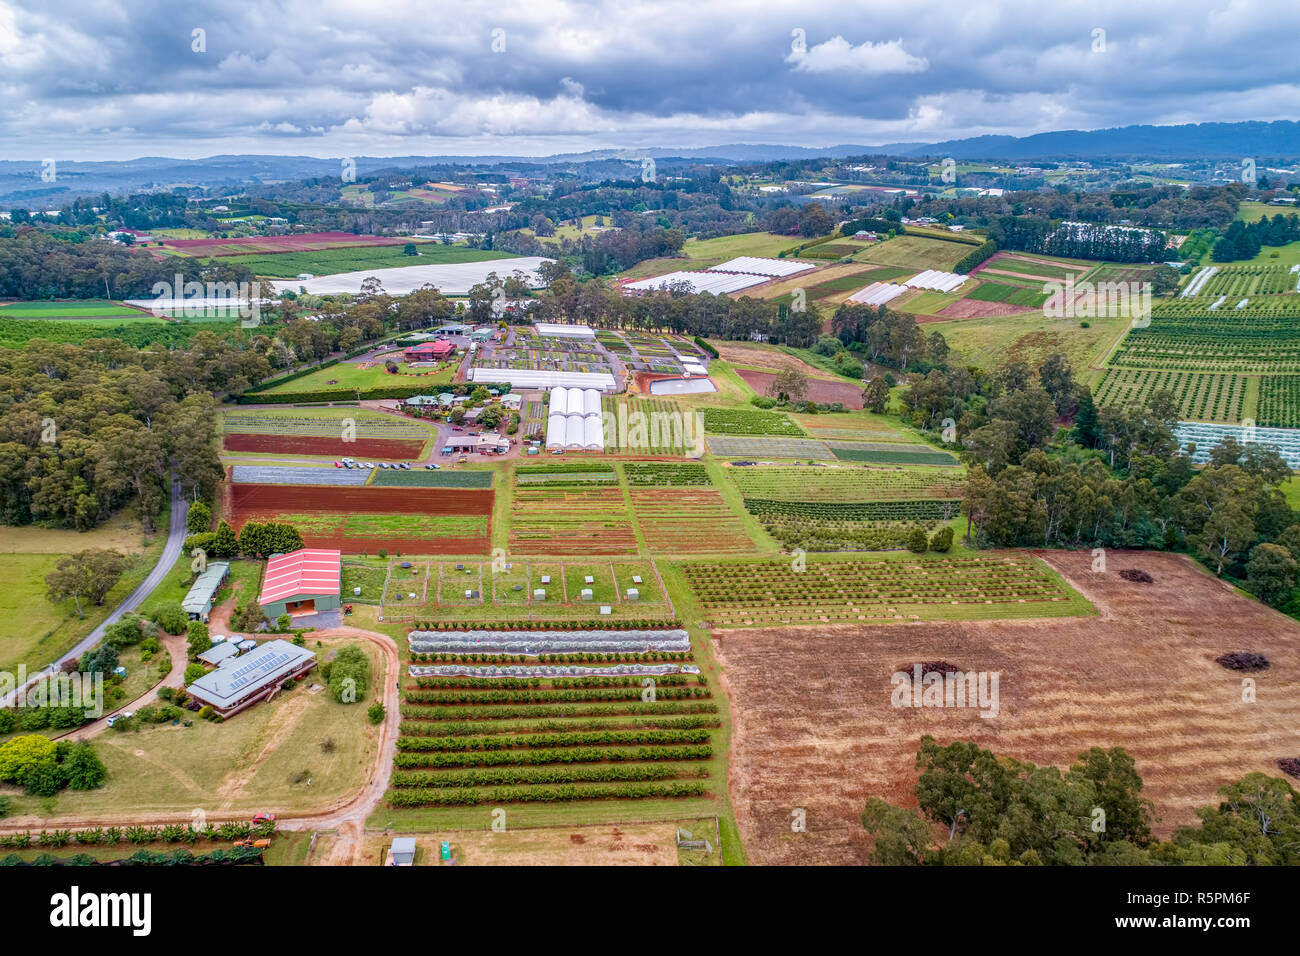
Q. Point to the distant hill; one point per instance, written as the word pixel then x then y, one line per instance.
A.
pixel 21 183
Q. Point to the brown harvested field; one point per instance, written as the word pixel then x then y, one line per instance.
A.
pixel 814 727
pixel 760 357
pixel 975 309
pixel 389 448
pixel 328 507
pixel 819 389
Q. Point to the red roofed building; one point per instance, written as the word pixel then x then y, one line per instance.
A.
pixel 429 351
pixel 301 582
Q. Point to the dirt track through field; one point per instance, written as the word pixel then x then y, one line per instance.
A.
pixel 814 727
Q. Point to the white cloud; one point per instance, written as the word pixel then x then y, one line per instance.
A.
pixel 837 55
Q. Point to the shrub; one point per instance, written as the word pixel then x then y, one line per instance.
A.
pixel 376 713
pixel 917 541
pixel 942 540
pixel 349 674
pixel 199 640
pixel 193 672
pixel 199 517
pixel 171 617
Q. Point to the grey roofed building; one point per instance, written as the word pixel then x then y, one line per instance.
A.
pixel 198 602
pixel 218 653
pixel 402 852
pixel 254 677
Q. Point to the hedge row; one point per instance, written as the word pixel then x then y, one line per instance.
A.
pixel 706 346
pixel 273 382
pixel 469 798
pixel 351 395
pixel 559 683
pixel 977 255
pixel 601 773
pixel 600 738
pixel 441 728
pixel 512 758
pixel 110 836
pixel 595 624
pixel 547 696
pixel 425 712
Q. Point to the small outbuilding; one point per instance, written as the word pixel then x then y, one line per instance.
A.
pixel 402 852
pixel 301 582
pixel 198 602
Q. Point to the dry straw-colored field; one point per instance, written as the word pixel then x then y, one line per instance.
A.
pixel 814 727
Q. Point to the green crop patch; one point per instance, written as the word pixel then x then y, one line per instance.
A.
pixel 649 474
pixel 745 421
pixel 428 478
pixel 885 453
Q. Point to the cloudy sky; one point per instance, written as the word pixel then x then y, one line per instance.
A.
pixel 116 79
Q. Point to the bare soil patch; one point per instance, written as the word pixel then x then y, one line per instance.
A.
pixel 819 389
pixel 393 448
pixel 814 726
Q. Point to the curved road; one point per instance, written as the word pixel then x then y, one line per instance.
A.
pixel 171 551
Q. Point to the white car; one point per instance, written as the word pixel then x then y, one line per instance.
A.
pixel 124 715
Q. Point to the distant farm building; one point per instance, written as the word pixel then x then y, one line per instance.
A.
pixel 402 852
pixel 301 582
pixel 217 653
pixel 555 330
pixel 198 602
pixel 243 681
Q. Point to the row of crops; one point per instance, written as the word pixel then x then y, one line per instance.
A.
pixel 1213 342
pixel 424 478
pixel 331 425
pixel 748 421
pixel 595 473
pixel 760 593
pixel 1202 396
pixel 886 453
pixel 471 741
pixel 1243 280
pixel 1279 401
pixel 828 526
pixel 659 473
pixel 846 484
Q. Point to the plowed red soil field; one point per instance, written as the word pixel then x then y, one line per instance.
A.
pixel 814 727
pixel 242 503
pixel 390 448
pixel 819 389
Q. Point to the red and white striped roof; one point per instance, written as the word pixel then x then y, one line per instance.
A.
pixel 307 571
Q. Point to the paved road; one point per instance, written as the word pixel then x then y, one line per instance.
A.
pixel 171 551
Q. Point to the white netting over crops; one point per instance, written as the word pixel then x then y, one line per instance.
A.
pixel 549 642
pixel 551 670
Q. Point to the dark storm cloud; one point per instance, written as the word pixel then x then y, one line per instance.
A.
pixel 117 79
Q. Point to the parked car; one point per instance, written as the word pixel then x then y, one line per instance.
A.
pixel 124 715
pixel 338 464
pixel 263 817
pixel 383 464
pixel 433 467
pixel 406 465
pixel 457 428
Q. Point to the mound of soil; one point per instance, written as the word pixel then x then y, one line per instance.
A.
pixel 1136 576
pixel 1290 766
pixel 1243 661
pixel 930 667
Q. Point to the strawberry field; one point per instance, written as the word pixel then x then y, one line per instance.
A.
pixel 747 421
pixel 734 594
pixel 688 520
pixel 570 520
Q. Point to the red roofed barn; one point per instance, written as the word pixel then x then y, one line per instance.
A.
pixel 301 582
pixel 429 351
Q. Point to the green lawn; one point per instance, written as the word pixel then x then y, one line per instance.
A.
pixel 72 309
pixel 993 342
pixel 353 375
pixel 915 252
pixel 34 631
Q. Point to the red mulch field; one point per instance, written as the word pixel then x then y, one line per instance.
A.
pixel 388 448
pixel 819 390
pixel 252 502
pixel 305 242
pixel 814 726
